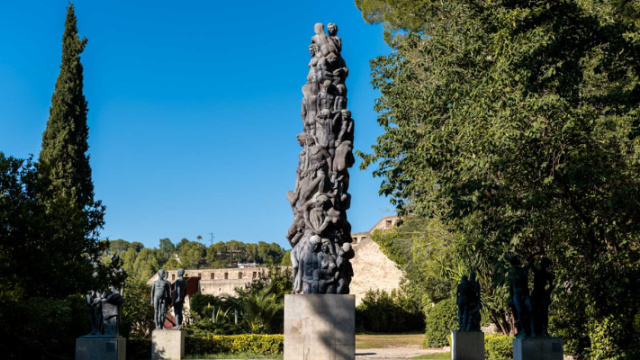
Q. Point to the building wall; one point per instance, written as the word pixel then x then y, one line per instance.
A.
pixel 219 281
pixel 371 267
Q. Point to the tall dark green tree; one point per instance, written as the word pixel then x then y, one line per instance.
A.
pixel 64 142
pixel 64 169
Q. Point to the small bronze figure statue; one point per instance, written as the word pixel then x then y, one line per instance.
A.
pixel 468 301
pixel 111 304
pixel 519 297
pixel 160 292
pixel 541 297
pixel 179 294
pixel 474 304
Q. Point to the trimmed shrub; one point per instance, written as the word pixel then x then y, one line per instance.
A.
pixel 380 312
pixel 235 344
pixel 442 319
pixel 140 349
pixel 498 347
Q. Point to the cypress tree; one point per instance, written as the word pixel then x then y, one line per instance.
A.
pixel 65 186
pixel 64 142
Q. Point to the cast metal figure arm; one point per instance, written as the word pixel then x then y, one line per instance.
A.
pixel 153 288
pixel 328 157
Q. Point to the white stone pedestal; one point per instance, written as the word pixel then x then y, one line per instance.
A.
pixel 319 327
pixel 101 348
pixel 167 344
pixel 537 349
pixel 467 345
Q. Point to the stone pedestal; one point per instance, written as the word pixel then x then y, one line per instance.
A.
pixel 537 349
pixel 319 327
pixel 167 344
pixel 467 345
pixel 101 348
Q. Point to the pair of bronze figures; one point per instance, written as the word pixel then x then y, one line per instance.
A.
pixel 163 295
pixel 530 310
pixel 105 304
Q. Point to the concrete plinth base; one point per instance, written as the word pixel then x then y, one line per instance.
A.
pixel 101 348
pixel 537 349
pixel 167 344
pixel 467 345
pixel 319 327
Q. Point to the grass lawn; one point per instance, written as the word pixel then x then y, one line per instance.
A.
pixel 383 341
pixel 233 356
pixel 438 356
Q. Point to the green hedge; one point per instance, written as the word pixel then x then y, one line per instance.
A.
pixel 498 347
pixel 140 349
pixel 234 344
pixel 442 319
pixel 380 312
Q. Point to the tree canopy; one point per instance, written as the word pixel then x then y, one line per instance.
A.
pixel 516 124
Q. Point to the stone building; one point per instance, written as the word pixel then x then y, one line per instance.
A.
pixel 372 269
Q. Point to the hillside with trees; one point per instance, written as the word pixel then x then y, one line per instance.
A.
pixel 142 263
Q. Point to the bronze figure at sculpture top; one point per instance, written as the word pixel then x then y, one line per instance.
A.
pixel 321 234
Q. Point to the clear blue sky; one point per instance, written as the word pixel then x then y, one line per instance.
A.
pixel 194 107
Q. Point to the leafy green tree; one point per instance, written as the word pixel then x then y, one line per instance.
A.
pixel 116 246
pixel 286 259
pixel 43 273
pixel 35 258
pixel 172 264
pixel 137 246
pixel 137 311
pixel 516 124
pixel 166 249
pixel 129 259
pixel 193 257
pixel 145 266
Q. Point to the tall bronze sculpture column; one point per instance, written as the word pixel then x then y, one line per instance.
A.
pixel 320 315
pixel 321 234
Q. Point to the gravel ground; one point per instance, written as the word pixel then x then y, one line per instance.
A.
pixel 394 353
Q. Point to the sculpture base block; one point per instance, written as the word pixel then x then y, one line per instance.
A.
pixel 537 349
pixel 167 344
pixel 467 345
pixel 101 348
pixel 319 327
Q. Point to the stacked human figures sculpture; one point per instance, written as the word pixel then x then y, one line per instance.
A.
pixel 531 311
pixel 468 301
pixel 321 234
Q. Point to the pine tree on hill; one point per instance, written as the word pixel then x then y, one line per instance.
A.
pixel 64 142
